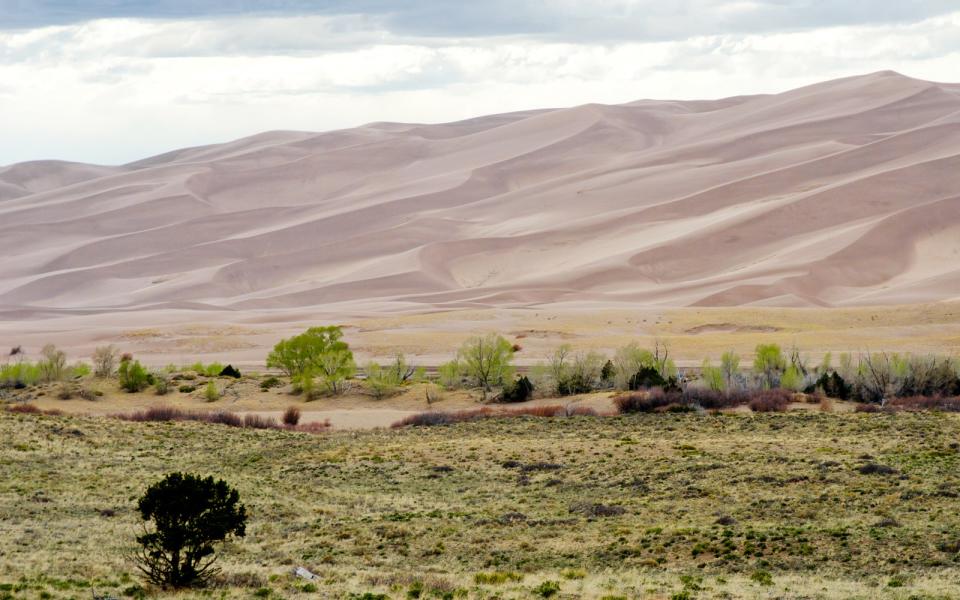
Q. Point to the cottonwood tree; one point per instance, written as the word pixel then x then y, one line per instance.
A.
pixel 486 361
pixel 190 514
pixel 769 363
pixel 319 351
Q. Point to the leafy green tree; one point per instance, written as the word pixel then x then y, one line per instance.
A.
pixel 320 352
pixel 383 381
pixel 301 352
pixel 769 363
pixel 730 368
pixel 713 376
pixel 486 361
pixel 190 514
pixel 792 379
pixel 628 361
pixel 133 376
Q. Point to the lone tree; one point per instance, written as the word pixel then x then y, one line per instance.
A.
pixel 317 351
pixel 486 361
pixel 190 514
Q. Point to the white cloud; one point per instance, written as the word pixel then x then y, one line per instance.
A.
pixel 120 89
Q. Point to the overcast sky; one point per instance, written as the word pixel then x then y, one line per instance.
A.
pixel 111 81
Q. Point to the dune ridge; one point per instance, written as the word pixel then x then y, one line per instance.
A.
pixel 837 194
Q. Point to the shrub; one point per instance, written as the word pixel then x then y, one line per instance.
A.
pixel 914 403
pixel 547 589
pixel 133 376
pixel 646 378
pixel 867 408
pixel 762 577
pixel 450 375
pixel 229 371
pixel 211 393
pixel 496 578
pixel 255 421
pixel 713 400
pixel 270 383
pixel 186 389
pixel 79 370
pixel 291 416
pixel 190 515
pixel 643 402
pixel 520 391
pixel 486 361
pixel 161 383
pixel 774 400
pixel 791 379
pixel 575 373
pixel 19 375
pixel 381 382
pixel 432 418
pixel 833 385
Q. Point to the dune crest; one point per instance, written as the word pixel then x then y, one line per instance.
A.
pixel 841 193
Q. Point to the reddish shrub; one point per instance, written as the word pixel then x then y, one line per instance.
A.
pixel 712 400
pixel 27 409
pixel 925 403
pixel 771 401
pixel 537 411
pixel 646 401
pixel 868 408
pixel 431 418
pixel 291 416
pixel 314 427
pixel 253 421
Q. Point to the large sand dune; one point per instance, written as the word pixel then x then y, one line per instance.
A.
pixel 842 193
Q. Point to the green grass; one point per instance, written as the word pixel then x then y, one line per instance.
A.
pixel 715 506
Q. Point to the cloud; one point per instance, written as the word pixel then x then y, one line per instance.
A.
pixel 566 20
pixel 115 90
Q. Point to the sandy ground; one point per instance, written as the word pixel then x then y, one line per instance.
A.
pixel 692 334
pixel 843 193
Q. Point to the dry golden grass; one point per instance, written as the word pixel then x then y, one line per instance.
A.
pixel 650 506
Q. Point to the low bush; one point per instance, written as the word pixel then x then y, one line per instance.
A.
pixel 431 418
pixel 161 384
pixel 30 409
pixel 269 383
pixel 773 400
pixel 186 389
pixel 249 421
pixel 211 393
pixel 915 403
pixel 291 416
pixel 868 408
pixel 497 578
pixel 133 376
pixel 645 402
pixel 519 391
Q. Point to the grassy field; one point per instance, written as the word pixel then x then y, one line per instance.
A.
pixel 795 505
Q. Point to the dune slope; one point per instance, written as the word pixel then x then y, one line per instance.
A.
pixel 841 193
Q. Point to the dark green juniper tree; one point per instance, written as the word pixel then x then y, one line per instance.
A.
pixel 190 514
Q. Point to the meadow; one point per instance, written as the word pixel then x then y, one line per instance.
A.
pixel 696 505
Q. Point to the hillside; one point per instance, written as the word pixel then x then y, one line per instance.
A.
pixel 838 194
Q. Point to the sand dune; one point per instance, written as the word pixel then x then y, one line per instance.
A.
pixel 841 193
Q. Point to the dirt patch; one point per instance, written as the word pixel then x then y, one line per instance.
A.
pixel 732 328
